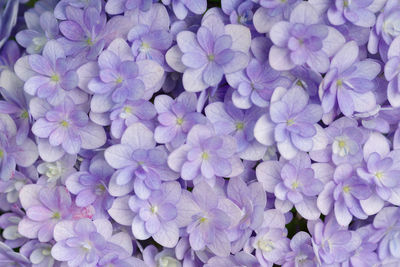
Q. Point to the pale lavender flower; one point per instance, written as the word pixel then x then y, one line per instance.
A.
pixel 90 186
pixel 345 140
pixel 355 11
pixel 239 259
pixel 10 188
pixel 344 194
pixel 239 12
pixel 69 127
pixel 156 216
pixel 303 41
pixel 42 27
pixel 251 199
pixel 349 83
pixel 207 217
pixel 137 158
pixel 44 208
pixel 381 171
pixel 206 155
pixel 293 183
pixel 61 6
pixel 229 120
pixel 53 74
pixel 12 154
pixel 176 118
pixel 8 19
pixel 302 252
pixel 55 173
pixel 9 257
pixel 114 7
pixel 83 32
pixel 9 223
pixel 39 254
pixel 181 7
pixel 255 84
pixel 124 115
pixel 291 123
pixel 9 54
pixel 331 242
pixel 215 50
pixel 392 73
pixel 86 242
pixel 270 242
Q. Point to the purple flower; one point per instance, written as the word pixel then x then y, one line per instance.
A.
pixel 11 153
pixel 206 220
pixel 291 123
pixel 356 12
pixel 239 12
pixel 349 83
pixel 38 253
pixel 301 251
pixel 120 78
pixel 381 171
pixel 229 120
pixel 44 208
pixel 85 242
pixel 10 188
pixel 392 73
pixel 293 183
pixel 344 194
pixel 137 158
pixel 55 173
pixel 331 242
pixel 90 186
pixel 239 259
pixel 69 127
pixel 205 57
pixel 251 200
pixel 42 27
pixel 255 84
pixel 9 223
pixel 270 242
pixel 206 155
pixel 302 41
pixel 53 75
pixel 151 40
pixel 8 19
pixel 125 114
pixel 181 7
pixel 114 7
pixel 176 118
pixel 156 216
pixel 10 258
pixel 83 31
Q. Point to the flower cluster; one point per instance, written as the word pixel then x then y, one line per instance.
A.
pixel 185 133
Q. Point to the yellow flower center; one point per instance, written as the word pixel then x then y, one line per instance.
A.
pixel 211 57
pixel 346 189
pixel 1 153
pixel 345 3
pixel 179 121
pixel 55 78
pixel 295 185
pixel 205 155
pixel 119 80
pixel 290 122
pixel 379 175
pixel 339 83
pixel 128 110
pixel 46 252
pixel 342 144
pixel 56 215
pixel 89 41
pixel 203 219
pixel 239 126
pixel 154 209
pixel 265 245
pixel 64 123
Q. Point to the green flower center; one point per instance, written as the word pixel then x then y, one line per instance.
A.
pixel 46 252
pixel 1 153
pixel 128 110
pixel 211 57
pixel 295 185
pixel 56 215
pixel 119 80
pixel 239 126
pixel 379 175
pixel 154 209
pixel 64 123
pixel 55 77
pixel 339 83
pixel 179 121
pixel 24 115
pixel 346 189
pixel 203 220
pixel 89 41
pixel 345 3
pixel 290 122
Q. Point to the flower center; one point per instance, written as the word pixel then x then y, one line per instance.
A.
pixel 290 122
pixel 295 185
pixel 341 144
pixel 346 189
pixel 119 80
pixel 345 3
pixel 89 41
pixel 24 115
pixel 56 215
pixel 128 110
pixel 339 83
pixel 154 209
pixel 265 245
pixel 205 156
pixel 1 153
pixel 64 123
pixel 46 252
pixel 203 220
pixel 100 188
pixel 145 47
pixel 211 57
pixel 239 126
pixel 379 175
pixel 55 78
pixel 179 121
